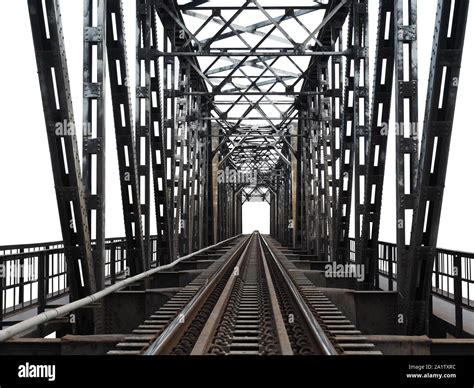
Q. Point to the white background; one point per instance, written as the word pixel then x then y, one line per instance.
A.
pixel 28 211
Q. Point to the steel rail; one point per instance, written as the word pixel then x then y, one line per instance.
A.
pixel 180 323
pixel 317 331
pixel 283 339
pixel 205 337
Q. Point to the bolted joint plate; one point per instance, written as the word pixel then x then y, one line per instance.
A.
pixel 93 34
pixel 92 90
pixel 408 146
pixel 67 193
pixel 93 146
pixel 407 33
pixel 408 88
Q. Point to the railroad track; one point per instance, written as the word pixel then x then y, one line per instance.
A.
pixel 250 301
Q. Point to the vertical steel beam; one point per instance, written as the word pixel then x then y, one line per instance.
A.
pixel 46 26
pixel 203 141
pixel 238 204
pixel 214 189
pixel 322 196
pixel 288 205
pixel 377 141
pixel 158 153
pixel 206 179
pixel 406 136
pixel 180 145
pixel 317 181
pixel 336 92
pixel 126 149
pixel 361 113
pixel 143 116
pixel 313 184
pixel 306 213
pixel 2 291
pixel 347 151
pixel 170 69
pixel 300 221
pixel 93 130
pixel 327 102
pixel 192 165
pixel 196 175
pixel 294 189
pixel 448 44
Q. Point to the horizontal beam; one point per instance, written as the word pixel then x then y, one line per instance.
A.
pixel 261 93
pixel 278 52
pixel 250 8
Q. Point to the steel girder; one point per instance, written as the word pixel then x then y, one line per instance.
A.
pixel 180 144
pixel 169 112
pixel 213 191
pixel 193 182
pixel 321 196
pixel 406 136
pixel 306 215
pixel 226 211
pixel 186 136
pixel 280 204
pixel 448 44
pixel 193 226
pixel 315 179
pixel 330 75
pixel 347 152
pixel 377 141
pixel 333 133
pixel 320 107
pixel 205 178
pixel 143 116
pixel 296 191
pixel 309 141
pixel 93 160
pixel 126 148
pixel 287 205
pixel 158 153
pixel 360 125
pixel 53 76
pixel 283 206
pixel 219 80
pixel 300 203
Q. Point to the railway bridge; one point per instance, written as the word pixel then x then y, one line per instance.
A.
pixel 285 103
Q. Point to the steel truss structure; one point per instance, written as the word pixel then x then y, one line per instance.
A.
pixel 254 102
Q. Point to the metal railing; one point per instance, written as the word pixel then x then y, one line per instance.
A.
pixel 31 275
pixel 60 311
pixel 22 267
pixel 453 275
